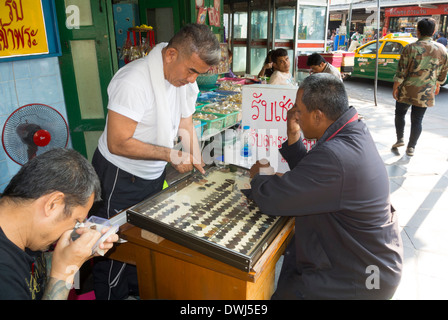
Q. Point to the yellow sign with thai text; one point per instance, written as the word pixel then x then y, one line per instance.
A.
pixel 22 28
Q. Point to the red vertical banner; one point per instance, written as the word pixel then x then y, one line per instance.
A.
pixel 217 6
pixel 211 16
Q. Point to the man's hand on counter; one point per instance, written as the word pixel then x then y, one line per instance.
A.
pixel 262 167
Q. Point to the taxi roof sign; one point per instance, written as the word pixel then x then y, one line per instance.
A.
pixel 398 35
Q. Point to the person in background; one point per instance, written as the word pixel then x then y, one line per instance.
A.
pixel 151 103
pixel 347 242
pixel 281 65
pixel 441 39
pixel 333 35
pixel 230 74
pixel 422 68
pixel 40 206
pixel 267 70
pixel 355 41
pixel 318 64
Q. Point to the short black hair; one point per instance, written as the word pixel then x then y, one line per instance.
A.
pixel 269 57
pixel 426 26
pixel 280 52
pixel 59 169
pixel 197 38
pixel 325 92
pixel 315 59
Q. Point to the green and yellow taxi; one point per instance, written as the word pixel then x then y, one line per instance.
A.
pixel 390 48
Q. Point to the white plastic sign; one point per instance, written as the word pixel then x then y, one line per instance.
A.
pixel 265 110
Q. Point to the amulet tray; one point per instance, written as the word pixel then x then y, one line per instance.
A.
pixel 209 213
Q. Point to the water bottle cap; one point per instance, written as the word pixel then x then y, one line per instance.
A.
pixel 246 127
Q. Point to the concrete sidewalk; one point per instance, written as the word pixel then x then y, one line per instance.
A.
pixel 419 193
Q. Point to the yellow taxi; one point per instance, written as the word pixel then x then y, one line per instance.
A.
pixel 390 48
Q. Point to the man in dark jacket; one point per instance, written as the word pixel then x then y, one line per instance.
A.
pixel 347 243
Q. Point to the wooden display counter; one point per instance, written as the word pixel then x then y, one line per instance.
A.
pixel 167 270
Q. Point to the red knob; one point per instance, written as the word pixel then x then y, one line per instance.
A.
pixel 42 138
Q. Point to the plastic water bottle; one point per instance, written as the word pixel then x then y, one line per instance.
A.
pixel 246 152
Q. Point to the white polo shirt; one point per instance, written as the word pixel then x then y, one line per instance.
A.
pixel 131 94
pixel 329 68
pixel 282 78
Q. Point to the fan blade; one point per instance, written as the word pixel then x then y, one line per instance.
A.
pixel 26 132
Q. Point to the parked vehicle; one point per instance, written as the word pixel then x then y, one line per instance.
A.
pixel 390 48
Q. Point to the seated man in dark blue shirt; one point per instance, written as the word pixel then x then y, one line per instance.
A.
pixel 441 38
pixel 41 205
pixel 347 243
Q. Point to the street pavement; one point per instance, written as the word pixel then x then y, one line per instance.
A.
pixel 418 187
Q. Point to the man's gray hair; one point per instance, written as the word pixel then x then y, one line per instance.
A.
pixel 58 169
pixel 325 92
pixel 197 38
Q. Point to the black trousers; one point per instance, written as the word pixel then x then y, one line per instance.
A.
pixel 417 114
pixel 120 190
pixel 291 285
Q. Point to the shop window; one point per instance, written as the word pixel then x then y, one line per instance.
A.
pixel 406 24
pixel 393 25
pixel 259 25
pixel 226 23
pixel 85 19
pixel 311 23
pixel 163 21
pixel 240 25
pixel 284 23
pixel 258 55
pixel 85 65
pixel 239 59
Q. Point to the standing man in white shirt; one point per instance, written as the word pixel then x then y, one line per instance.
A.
pixel 151 102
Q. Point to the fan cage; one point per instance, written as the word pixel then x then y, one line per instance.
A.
pixel 48 118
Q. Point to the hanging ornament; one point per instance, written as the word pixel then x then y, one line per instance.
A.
pixel 199 3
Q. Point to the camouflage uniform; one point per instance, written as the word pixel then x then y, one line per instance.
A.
pixel 422 64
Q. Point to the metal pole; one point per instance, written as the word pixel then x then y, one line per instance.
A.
pixel 249 37
pixel 348 27
pixel 295 41
pixel 231 25
pixel 274 21
pixel 377 51
pixel 327 19
pixel 269 34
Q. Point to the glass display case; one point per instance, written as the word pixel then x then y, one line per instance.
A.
pixel 210 214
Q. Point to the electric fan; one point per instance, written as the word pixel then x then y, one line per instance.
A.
pixel 32 130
